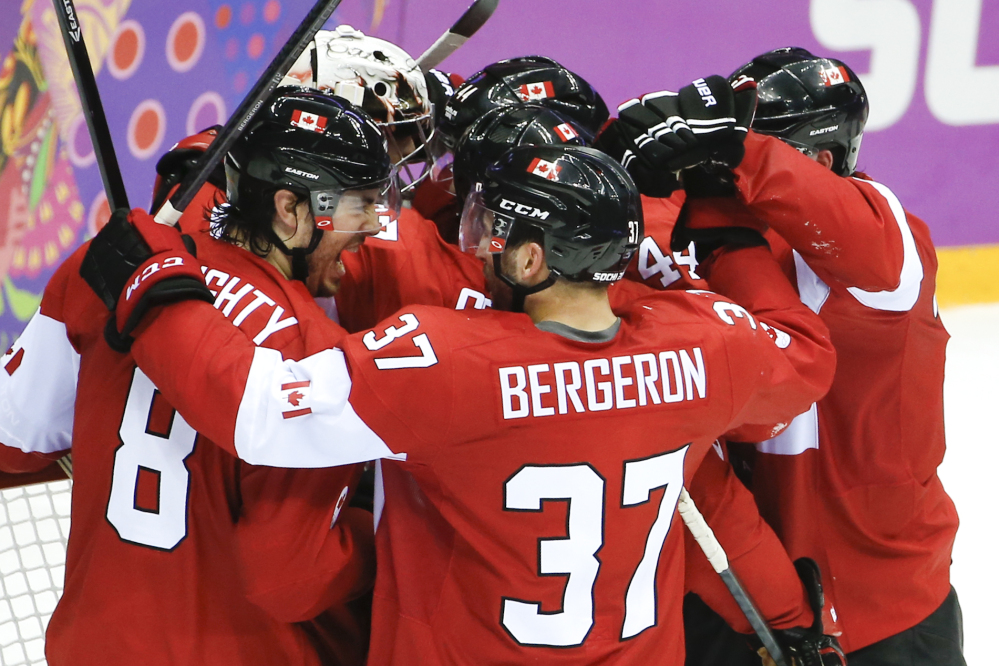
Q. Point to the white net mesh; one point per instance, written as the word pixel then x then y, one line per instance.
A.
pixel 34 526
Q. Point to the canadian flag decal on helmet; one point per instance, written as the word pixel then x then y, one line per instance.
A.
pixel 834 76
pixel 544 168
pixel 539 90
pixel 566 132
pixel 308 121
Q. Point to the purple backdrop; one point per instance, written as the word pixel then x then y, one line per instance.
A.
pixel 945 173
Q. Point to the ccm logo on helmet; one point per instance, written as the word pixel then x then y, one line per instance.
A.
pixel 608 277
pixel 705 92
pixel 524 209
pixel 298 172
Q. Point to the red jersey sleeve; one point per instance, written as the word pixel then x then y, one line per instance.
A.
pixel 848 229
pixel 407 264
pixel 302 548
pixel 251 401
pixel 753 551
pixel 407 351
pixel 789 363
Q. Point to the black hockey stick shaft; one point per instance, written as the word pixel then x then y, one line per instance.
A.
pixel 474 18
pixel 93 110
pixel 713 550
pixel 236 125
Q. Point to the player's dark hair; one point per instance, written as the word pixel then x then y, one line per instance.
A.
pixel 251 226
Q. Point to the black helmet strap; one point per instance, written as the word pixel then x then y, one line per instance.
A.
pixel 299 262
pixel 520 292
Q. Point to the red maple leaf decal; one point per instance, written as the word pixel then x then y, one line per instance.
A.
pixel 536 90
pixel 295 398
pixel 542 168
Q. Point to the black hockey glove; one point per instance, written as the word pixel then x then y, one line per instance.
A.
pixel 708 236
pixel 706 120
pixel 134 264
pixel 618 140
pixel 809 647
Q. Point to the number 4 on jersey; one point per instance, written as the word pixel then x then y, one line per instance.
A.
pixel 652 261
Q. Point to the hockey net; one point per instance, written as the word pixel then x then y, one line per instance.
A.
pixel 34 527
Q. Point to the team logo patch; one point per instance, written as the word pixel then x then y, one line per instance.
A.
pixel 566 132
pixel 296 396
pixel 544 168
pixel 539 90
pixel 308 121
pixel 832 76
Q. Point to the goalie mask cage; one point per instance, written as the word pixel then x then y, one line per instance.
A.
pixel 34 526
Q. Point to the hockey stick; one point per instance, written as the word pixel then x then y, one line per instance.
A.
pixel 93 110
pixel 234 127
pixel 466 26
pixel 719 562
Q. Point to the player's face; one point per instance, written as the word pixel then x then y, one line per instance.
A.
pixel 355 219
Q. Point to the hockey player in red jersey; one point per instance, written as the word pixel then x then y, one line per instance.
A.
pixel 511 531
pixel 853 483
pixel 180 553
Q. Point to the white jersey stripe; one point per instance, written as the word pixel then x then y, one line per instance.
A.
pixel 903 297
pixel 37 399
pixel 318 429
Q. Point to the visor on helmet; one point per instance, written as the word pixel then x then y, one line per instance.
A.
pixel 379 202
pixel 479 225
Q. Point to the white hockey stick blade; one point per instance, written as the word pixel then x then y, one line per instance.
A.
pixel 474 18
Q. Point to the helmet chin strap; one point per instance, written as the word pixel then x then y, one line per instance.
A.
pixel 299 255
pixel 520 292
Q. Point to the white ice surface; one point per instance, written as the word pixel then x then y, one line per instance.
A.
pixel 970 471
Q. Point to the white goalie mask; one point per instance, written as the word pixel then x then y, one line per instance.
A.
pixel 384 81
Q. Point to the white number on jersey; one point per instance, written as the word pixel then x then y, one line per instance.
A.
pixel 583 488
pixel 641 477
pixel 424 359
pixel 156 461
pixel 652 261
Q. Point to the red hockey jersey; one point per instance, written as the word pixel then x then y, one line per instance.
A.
pixel 407 263
pixel 180 553
pixel 530 479
pixel 852 483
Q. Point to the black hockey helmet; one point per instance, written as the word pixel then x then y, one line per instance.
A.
pixel 810 103
pixel 503 128
pixel 584 203
pixel 528 79
pixel 313 144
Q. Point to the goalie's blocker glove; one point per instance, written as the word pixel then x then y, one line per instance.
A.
pixel 809 646
pixel 670 131
pixel 134 264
